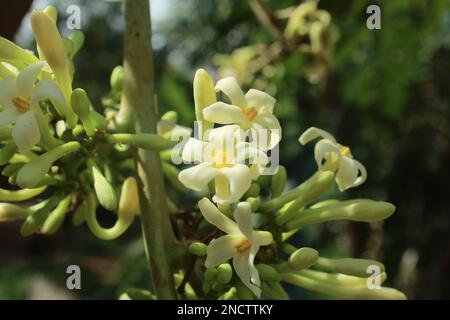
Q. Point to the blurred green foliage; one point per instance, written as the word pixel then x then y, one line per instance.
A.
pixel 385 95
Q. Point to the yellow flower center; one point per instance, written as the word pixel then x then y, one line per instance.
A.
pixel 244 245
pixel 22 104
pixel 221 160
pixel 345 151
pixel 250 113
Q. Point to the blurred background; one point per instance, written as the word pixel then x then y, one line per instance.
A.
pixel 385 93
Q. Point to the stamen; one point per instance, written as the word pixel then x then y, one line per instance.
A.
pixel 244 245
pixel 345 151
pixel 250 113
pixel 22 104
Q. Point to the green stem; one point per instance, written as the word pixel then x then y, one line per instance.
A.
pixel 138 99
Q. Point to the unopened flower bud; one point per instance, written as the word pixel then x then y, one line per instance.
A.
pixel 279 181
pixel 56 218
pixel 267 272
pixel 82 107
pixel 140 140
pixel 116 79
pixel 253 191
pixel 198 249
pixel 6 152
pixel 10 51
pixel 171 116
pixel 77 39
pixel 79 216
pixel 303 258
pixel 129 199
pixel 350 266
pixel 229 295
pixel 20 195
pixel 204 96
pixel 12 212
pixel 105 192
pixel 224 273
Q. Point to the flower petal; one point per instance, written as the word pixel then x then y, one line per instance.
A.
pixel 8 116
pixel 231 88
pixel 194 151
pixel 8 91
pixel 260 100
pixel 239 178
pixel 27 78
pixel 245 150
pixel 347 173
pixel 48 89
pixel 243 216
pixel 313 133
pixel 223 113
pixel 26 132
pixel 221 249
pixel 197 177
pixel 214 216
pixel 241 266
pixel 360 179
pixel 268 121
pixel 321 149
pixel 260 238
pixel 225 135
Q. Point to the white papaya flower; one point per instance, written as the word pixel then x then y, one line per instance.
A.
pixel 241 242
pixel 222 158
pixel 19 99
pixel 253 110
pixel 333 156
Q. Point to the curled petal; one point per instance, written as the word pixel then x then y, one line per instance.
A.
pixel 260 100
pixel 241 266
pixel 322 148
pixel 27 78
pixel 347 173
pixel 268 121
pixel 8 91
pixel 360 179
pixel 239 178
pixel 231 88
pixel 221 249
pixel 197 177
pixel 26 132
pixel 193 150
pixel 47 89
pixel 243 215
pixel 223 113
pixel 214 216
pixel 313 133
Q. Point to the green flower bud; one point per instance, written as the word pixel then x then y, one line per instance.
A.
pixel 204 95
pixel 279 181
pixel 137 294
pixel 33 172
pixel 198 249
pixel 224 273
pixel 303 258
pixel 254 203
pixel 36 219
pixel 12 212
pixel 20 195
pixel 82 107
pixel 210 275
pixel 12 168
pixel 5 133
pixel 267 272
pixel 7 70
pixel 243 293
pixel 171 116
pixel 253 191
pixel 6 153
pixel 116 79
pixel 56 218
pixel 52 12
pixel 229 295
pixel 68 45
pixel 10 51
pixel 79 216
pixel 105 192
pixel 355 210
pixel 274 290
pixel 206 288
pixel 217 287
pixel 141 140
pixel 339 279
pixel 77 38
pixel 98 121
pixel 350 266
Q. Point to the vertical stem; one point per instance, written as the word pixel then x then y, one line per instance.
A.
pixel 138 97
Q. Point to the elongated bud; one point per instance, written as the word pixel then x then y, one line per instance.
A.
pixel 129 199
pixel 171 173
pixel 82 107
pixel 313 188
pixel 77 39
pixel 6 153
pixel 56 218
pixel 52 13
pixel 274 290
pixel 350 266
pixel 254 203
pixel 303 258
pixel 31 174
pixel 382 293
pixel 52 47
pixel 99 122
pixel 10 51
pixel 116 79
pixel 198 249
pixel 137 294
pixel 20 195
pixel 364 210
pixel 148 141
pixel 36 219
pixel 12 212
pixel 12 169
pixel 224 273
pixel 253 191
pixel 279 181
pixel 171 116
pixel 105 192
pixel 267 272
pixel 79 216
pixel 229 295
pixel 243 293
pixel 339 279
pixel 204 95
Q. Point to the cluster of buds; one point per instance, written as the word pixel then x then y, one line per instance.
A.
pixel 250 214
